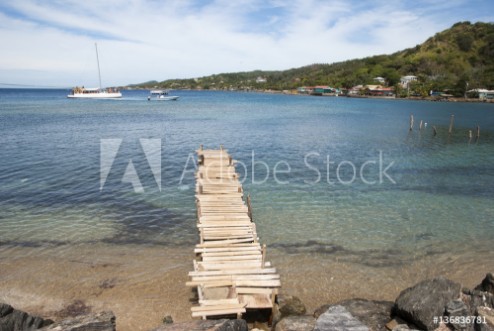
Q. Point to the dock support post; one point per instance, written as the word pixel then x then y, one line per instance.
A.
pixel 477 136
pixel 411 122
pixel 434 131
pixel 249 207
pixel 420 125
pixel 451 123
pixel 263 255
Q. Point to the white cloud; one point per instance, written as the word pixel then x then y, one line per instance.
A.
pixel 52 42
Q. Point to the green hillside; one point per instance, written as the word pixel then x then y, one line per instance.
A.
pixel 458 58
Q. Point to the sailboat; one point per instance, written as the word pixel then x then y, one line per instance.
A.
pixel 95 92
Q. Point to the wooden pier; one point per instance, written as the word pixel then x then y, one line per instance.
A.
pixel 231 273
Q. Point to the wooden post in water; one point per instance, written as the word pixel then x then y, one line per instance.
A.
pixel 470 136
pixel 263 255
pixel 451 123
pixel 434 130
pixel 411 122
pixel 420 125
pixel 249 207
pixel 478 132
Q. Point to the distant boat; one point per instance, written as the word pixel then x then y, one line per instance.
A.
pixel 95 92
pixel 161 95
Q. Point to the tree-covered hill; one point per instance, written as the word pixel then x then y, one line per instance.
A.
pixel 456 59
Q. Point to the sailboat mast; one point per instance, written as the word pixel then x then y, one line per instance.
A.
pixel 97 60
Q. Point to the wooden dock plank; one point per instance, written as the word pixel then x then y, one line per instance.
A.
pixel 230 272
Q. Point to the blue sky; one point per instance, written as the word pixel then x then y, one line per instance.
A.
pixel 51 42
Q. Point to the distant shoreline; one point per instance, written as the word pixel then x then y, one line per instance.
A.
pixel 289 92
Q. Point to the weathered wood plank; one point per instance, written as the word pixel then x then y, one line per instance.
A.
pixel 253 271
pixel 229 254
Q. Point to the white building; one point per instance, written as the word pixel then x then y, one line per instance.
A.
pixel 405 80
pixel 381 80
pixel 261 80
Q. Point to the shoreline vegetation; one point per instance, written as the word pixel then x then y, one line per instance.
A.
pixel 295 93
pixel 456 64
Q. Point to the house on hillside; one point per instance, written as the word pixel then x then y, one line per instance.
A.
pixel 406 80
pixel 482 94
pixel 379 91
pixel 261 80
pixel 321 90
pixel 356 90
pixel 380 80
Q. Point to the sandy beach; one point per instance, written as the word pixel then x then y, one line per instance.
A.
pixel 143 284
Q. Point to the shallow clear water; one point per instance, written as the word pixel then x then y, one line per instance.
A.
pixel 436 200
pixel 350 203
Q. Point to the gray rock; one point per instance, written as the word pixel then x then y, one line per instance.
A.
pixel 373 314
pixel 338 318
pixel 104 321
pixel 287 305
pixel 457 308
pixel 296 323
pixel 5 309
pixel 419 304
pixel 486 314
pixel 291 305
pixel 206 325
pixel 478 299
pixel 487 284
pixel 16 320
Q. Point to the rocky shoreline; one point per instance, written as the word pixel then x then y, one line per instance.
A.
pixel 437 304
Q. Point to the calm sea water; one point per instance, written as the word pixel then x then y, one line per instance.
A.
pixel 435 195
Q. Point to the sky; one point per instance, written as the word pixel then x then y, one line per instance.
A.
pixel 51 43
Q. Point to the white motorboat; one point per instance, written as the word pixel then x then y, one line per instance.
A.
pixel 161 95
pixel 96 92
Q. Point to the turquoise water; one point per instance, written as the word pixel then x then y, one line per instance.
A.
pixel 436 196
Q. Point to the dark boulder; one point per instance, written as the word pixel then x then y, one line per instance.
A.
pixel 16 320
pixel 419 304
pixel 291 305
pixel 487 284
pixel 458 310
pixel 104 321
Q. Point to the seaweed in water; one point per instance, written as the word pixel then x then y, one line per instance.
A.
pixel 108 283
pixel 76 308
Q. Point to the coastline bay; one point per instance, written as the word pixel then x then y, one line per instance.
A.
pixel 331 237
